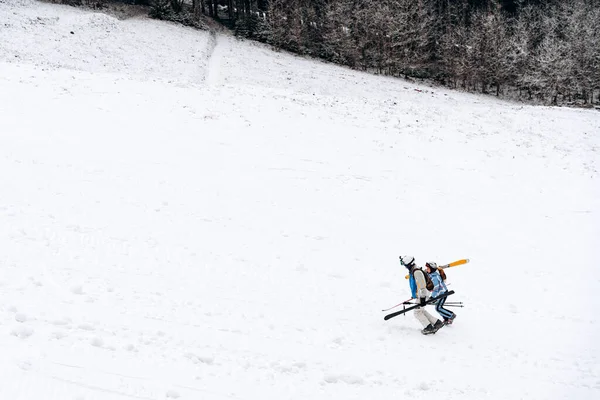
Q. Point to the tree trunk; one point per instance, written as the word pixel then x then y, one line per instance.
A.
pixel 176 5
pixel 216 8
pixel 239 5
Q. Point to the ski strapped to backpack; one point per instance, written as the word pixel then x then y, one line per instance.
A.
pixel 452 264
pixel 431 300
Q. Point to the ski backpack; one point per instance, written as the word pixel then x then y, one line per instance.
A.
pixel 442 274
pixel 428 282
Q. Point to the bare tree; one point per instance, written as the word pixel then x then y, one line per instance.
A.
pixel 547 50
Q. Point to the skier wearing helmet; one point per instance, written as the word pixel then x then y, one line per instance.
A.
pixel 418 287
pixel 439 288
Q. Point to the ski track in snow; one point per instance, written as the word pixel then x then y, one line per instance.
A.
pixel 160 239
pixel 213 64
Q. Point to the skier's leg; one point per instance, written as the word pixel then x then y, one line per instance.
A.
pixel 432 320
pixel 438 309
pixel 420 315
pixel 444 312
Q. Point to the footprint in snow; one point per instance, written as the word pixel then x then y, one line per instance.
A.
pixel 77 289
pixel 58 335
pixel 344 378
pixel 20 317
pixel 22 332
pixel 200 359
pixel 61 322
pixel 86 327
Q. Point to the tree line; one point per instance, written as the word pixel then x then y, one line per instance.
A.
pixel 538 50
pixel 547 50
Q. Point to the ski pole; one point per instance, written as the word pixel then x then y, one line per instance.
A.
pixel 399 304
pixel 453 305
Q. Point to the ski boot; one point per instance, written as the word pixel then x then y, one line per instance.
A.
pixel 428 330
pixel 448 321
pixel 438 325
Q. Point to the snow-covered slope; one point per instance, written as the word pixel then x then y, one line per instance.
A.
pixel 195 217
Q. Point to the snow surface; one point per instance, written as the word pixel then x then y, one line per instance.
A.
pixel 188 216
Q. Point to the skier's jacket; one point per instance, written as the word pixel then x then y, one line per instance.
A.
pixel 422 292
pixel 439 287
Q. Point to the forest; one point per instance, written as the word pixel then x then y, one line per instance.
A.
pixel 538 51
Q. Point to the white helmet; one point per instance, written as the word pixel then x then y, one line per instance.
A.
pixel 407 261
pixel 431 265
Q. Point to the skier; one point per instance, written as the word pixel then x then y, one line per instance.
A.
pixel 439 287
pixel 418 287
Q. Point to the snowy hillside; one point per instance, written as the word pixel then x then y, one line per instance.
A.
pixel 190 216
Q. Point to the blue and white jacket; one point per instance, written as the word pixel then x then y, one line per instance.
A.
pixel 413 286
pixel 415 290
pixel 439 287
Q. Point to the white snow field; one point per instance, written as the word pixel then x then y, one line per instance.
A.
pixel 189 216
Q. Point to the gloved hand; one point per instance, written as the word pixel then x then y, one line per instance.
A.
pixel 422 301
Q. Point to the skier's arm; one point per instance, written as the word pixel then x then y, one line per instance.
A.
pixel 413 287
pixel 420 284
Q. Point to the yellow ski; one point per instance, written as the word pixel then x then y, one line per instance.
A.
pixel 452 264
pixel 455 263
